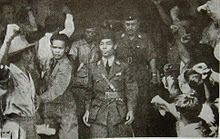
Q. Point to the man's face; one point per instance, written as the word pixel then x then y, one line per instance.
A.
pixel 28 54
pixel 90 34
pixel 8 13
pixel 131 26
pixel 58 49
pixel 28 57
pixel 106 47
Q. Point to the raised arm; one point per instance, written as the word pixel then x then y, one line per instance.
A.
pixel 5 46
pixel 165 17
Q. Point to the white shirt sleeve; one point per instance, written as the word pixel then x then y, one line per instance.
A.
pixel 69 25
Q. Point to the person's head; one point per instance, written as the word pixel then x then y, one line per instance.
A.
pixel 107 43
pixel 59 45
pixel 188 106
pixel 131 23
pixel 90 31
pixel 193 78
pixel 8 12
pixel 210 36
pixel 54 23
pixel 23 56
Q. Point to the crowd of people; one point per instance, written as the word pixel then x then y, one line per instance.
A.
pixel 102 83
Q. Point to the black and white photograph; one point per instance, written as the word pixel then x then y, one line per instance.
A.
pixel 87 69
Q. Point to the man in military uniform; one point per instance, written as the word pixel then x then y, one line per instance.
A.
pixel 83 52
pixel 111 94
pixel 137 50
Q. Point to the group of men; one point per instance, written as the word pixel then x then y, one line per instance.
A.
pixel 100 85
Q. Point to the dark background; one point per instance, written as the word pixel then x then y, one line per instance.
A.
pixel 100 10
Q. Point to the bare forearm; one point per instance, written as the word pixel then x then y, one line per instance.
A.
pixel 166 19
pixel 32 20
pixel 183 53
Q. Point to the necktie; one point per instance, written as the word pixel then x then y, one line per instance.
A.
pixel 53 65
pixel 107 67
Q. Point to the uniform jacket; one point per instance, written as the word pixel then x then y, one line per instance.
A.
pixel 137 53
pixel 122 80
pixel 140 49
pixel 85 53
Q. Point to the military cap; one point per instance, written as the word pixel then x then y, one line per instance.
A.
pixel 106 33
pixel 131 14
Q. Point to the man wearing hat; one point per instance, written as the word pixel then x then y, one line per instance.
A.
pixel 83 52
pixel 112 90
pixel 137 50
pixel 18 86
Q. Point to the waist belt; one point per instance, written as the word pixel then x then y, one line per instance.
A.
pixel 113 95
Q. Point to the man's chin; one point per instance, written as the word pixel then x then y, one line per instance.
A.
pixel 130 32
pixel 57 57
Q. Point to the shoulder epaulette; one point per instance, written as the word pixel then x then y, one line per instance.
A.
pixel 139 36
pixel 122 35
pixel 99 62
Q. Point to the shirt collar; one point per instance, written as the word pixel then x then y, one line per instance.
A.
pixel 110 60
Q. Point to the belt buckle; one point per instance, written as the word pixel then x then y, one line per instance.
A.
pixel 130 60
pixel 110 95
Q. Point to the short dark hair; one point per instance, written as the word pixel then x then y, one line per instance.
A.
pixel 62 37
pixel 188 106
pixel 187 74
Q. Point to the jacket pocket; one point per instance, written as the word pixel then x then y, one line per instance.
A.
pixel 122 108
pixel 95 107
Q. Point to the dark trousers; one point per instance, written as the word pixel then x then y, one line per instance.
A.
pixel 110 130
pixel 63 118
pixel 79 95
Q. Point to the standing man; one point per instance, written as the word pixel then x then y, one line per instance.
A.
pixel 59 105
pixel 17 87
pixel 83 52
pixel 137 50
pixel 112 91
